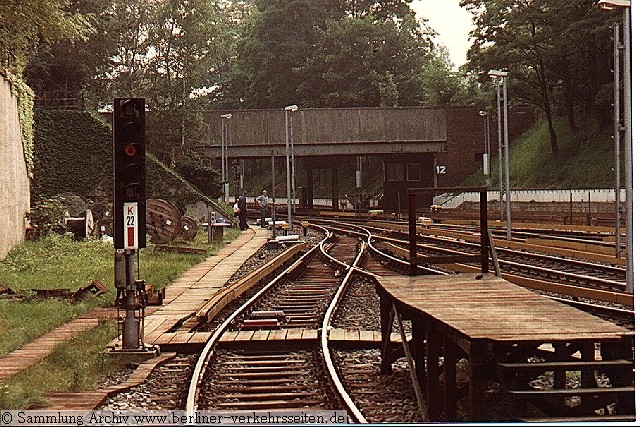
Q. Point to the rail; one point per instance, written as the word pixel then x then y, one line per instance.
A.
pixel 206 354
pixel 324 337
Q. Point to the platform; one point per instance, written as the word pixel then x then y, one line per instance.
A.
pixel 185 296
pixel 490 322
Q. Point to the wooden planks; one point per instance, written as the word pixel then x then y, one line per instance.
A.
pixel 31 353
pixel 494 309
pixel 185 296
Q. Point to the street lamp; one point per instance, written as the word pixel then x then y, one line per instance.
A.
pixel 628 149
pixel 503 75
pixel 500 148
pixel 224 171
pixel 616 132
pixel 289 154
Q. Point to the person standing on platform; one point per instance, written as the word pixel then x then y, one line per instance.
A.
pixel 242 205
pixel 263 201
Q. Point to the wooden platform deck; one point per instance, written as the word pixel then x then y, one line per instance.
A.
pixel 190 292
pixel 488 321
pixel 277 338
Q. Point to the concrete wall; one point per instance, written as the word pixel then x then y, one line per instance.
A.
pixel 603 195
pixel 14 181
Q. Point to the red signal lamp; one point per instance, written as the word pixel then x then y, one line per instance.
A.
pixel 130 150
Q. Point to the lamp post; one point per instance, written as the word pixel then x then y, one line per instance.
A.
pixel 289 155
pixel 224 171
pixel 503 75
pixel 500 162
pixel 616 132
pixel 626 128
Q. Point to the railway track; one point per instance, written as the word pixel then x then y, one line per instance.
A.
pixel 568 276
pixel 321 293
pixel 293 303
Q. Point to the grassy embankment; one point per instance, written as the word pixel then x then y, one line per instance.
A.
pixel 585 159
pixel 58 262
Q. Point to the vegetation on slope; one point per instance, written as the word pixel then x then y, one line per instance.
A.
pixel 585 158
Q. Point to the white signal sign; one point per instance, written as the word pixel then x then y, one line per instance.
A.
pixel 130 225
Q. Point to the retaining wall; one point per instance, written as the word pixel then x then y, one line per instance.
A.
pixel 14 181
pixel 606 195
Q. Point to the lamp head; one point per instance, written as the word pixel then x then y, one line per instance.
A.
pixel 291 108
pixel 226 116
pixel 482 113
pixel 497 73
pixel 614 4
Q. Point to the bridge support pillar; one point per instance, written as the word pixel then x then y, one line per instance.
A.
pixel 334 188
pixel 309 186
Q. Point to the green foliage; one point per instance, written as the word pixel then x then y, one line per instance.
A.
pixel 364 62
pixel 201 176
pixel 327 53
pixel 558 54
pixel 585 159
pixel 73 153
pixel 32 24
pixel 56 261
pixel 46 217
pixel 165 183
pixel 25 96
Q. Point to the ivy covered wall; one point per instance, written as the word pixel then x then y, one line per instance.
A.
pixel 73 154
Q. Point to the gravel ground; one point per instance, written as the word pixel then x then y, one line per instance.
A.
pixel 139 397
pixel 389 398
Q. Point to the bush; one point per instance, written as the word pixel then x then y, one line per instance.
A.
pixel 46 217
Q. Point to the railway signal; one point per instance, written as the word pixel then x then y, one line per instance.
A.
pixel 129 221
pixel 129 213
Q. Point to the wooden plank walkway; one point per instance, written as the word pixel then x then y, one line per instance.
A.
pixel 36 350
pixel 88 400
pixel 185 296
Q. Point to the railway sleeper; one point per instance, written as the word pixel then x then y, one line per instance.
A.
pixel 271 404
pixel 273 389
pixel 268 314
pixel 232 370
pixel 301 308
pixel 248 395
pixel 259 323
pixel 270 375
pixel 269 382
pixel 283 362
pixel 249 355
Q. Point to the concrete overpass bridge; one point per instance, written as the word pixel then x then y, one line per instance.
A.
pixel 418 146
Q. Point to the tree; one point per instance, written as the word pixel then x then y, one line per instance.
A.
pixel 277 41
pixel 364 62
pixel 27 26
pixel 549 48
pixel 329 53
